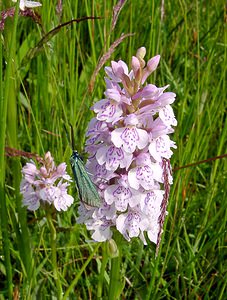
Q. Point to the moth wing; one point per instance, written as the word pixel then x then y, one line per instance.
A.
pixel 86 188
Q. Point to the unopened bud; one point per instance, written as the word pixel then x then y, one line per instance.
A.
pixel 136 67
pixel 151 67
pixel 112 248
pixel 141 52
pixel 153 63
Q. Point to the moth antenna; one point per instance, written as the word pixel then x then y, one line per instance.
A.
pixel 67 136
pixel 72 137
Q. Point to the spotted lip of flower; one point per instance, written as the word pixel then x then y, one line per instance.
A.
pixel 113 157
pixel 129 138
pixel 145 176
pixel 160 148
pixel 101 230
pixel 108 110
pixel 122 196
pixel 132 223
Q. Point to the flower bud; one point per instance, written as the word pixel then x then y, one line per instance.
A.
pixel 153 63
pixel 141 52
pixel 151 67
pixel 112 248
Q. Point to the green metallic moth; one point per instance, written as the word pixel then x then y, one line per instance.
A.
pixel 87 190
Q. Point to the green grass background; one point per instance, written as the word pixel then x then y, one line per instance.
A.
pixel 40 94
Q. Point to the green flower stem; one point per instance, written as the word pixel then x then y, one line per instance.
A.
pixel 102 270
pixel 115 272
pixel 151 288
pixel 75 280
pixel 54 254
pixel 3 112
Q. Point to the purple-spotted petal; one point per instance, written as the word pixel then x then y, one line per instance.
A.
pixel 118 195
pixel 145 176
pixel 30 198
pixel 141 176
pixel 99 172
pixel 166 114
pixel 160 148
pixel 96 127
pixel 102 231
pixel 107 110
pixel 113 157
pixel 151 203
pixel 129 138
pixel 131 223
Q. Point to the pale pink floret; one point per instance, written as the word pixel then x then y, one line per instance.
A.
pixel 96 127
pixel 160 148
pixel 99 172
pixel 157 128
pixel 145 176
pixel 151 202
pixel 132 223
pixel 113 94
pixel 107 110
pixel 149 92
pixel 101 230
pixel 166 99
pixel 121 196
pixel 64 201
pixel 129 138
pixel 84 214
pixel 116 71
pixel 56 195
pixel 100 222
pixel 167 116
pixel 116 93
pixel 30 198
pixel 106 210
pixel 153 232
pixel 113 157
pixel 30 172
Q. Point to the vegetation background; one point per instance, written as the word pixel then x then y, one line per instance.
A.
pixel 44 88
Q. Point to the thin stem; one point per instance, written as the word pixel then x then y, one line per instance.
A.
pixel 150 290
pixel 3 113
pixel 54 254
pixel 102 270
pixel 115 272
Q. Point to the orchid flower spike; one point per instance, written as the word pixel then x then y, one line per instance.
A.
pixel 46 185
pixel 129 150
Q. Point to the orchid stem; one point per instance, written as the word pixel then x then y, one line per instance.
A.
pixel 102 270
pixel 115 272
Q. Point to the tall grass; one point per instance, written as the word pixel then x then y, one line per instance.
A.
pixel 40 93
